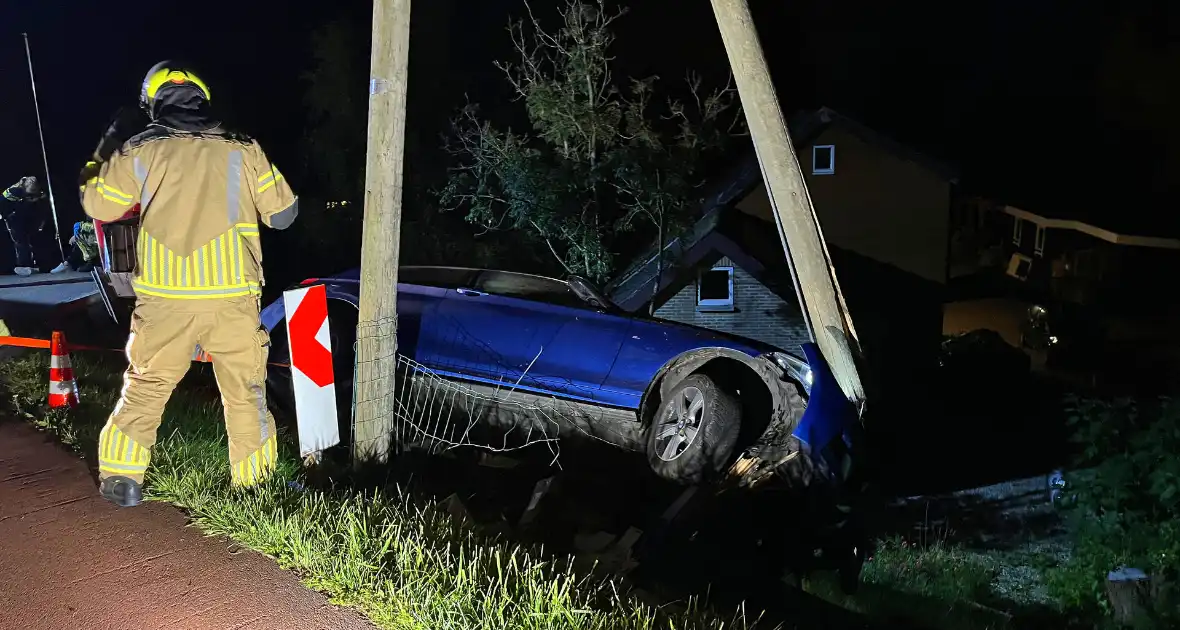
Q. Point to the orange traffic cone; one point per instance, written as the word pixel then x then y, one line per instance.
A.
pixel 200 356
pixel 63 391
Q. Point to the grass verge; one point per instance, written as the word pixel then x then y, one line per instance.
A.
pixel 404 563
pixel 939 584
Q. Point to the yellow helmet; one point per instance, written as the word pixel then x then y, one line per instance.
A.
pixel 165 77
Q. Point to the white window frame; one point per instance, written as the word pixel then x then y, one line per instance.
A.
pixel 1039 241
pixel 716 305
pixel 1014 266
pixel 831 168
pixel 1017 231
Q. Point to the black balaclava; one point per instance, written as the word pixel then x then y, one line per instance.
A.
pixel 182 107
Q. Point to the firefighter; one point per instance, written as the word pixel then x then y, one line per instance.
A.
pixel 202 191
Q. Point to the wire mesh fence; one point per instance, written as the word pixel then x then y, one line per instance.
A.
pixel 468 393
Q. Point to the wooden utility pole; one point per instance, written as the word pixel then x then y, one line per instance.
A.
pixel 798 226
pixel 376 355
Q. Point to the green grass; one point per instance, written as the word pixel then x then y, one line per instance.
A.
pixel 939 584
pixel 937 570
pixel 935 585
pixel 402 562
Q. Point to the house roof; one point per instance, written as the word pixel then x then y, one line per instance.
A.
pixel 737 236
pixel 808 126
pixel 720 231
pixel 746 241
pixel 746 173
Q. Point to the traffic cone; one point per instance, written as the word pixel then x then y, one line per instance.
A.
pixel 63 391
pixel 200 356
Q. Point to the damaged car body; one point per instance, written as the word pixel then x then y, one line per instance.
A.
pixel 554 356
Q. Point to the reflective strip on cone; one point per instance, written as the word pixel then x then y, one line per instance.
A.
pixel 60 369
pixel 63 390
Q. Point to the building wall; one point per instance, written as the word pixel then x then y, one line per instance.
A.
pixel 875 204
pixel 758 313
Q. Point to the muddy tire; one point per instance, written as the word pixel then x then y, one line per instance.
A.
pixel 693 435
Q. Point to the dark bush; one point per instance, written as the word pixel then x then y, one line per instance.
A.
pixel 1125 509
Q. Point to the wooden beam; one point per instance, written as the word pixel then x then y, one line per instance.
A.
pixel 373 416
pixel 803 242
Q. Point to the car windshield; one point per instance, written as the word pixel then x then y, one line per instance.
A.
pixel 527 287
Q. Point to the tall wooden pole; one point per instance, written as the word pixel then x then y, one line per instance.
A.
pixel 377 325
pixel 797 224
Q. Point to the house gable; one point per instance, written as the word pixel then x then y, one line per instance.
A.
pixel 758 312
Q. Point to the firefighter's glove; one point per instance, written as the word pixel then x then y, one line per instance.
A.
pixel 89 172
pixel 126 123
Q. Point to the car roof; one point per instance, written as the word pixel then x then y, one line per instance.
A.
pixel 355 274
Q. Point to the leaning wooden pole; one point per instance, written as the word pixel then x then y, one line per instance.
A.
pixel 373 414
pixel 797 223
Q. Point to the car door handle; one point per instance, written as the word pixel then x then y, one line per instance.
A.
pixel 469 292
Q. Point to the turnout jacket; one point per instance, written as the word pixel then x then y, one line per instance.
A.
pixel 201 196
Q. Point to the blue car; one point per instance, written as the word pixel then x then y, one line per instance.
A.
pixel 556 356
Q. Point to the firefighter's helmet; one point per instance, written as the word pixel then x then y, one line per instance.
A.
pixel 168 77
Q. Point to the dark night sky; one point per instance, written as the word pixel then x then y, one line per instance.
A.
pixel 1008 90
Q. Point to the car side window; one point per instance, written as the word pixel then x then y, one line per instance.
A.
pixel 441 277
pixel 528 287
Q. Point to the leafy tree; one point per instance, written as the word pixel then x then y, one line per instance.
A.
pixel 601 160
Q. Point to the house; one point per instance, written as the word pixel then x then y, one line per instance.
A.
pixel 884 211
pixel 1077 262
pixel 1099 278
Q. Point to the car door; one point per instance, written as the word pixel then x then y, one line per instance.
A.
pixel 580 343
pixel 418 335
pixel 491 338
pixel 581 355
pixel 530 332
pixel 422 334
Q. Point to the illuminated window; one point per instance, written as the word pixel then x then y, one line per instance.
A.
pixel 1039 241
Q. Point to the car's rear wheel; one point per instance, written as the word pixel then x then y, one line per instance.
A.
pixel 695 431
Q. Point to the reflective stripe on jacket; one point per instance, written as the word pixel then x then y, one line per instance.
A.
pixel 201 196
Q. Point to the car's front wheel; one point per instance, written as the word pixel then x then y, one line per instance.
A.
pixel 695 432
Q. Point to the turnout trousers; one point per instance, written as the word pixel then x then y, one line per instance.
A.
pixel 164 335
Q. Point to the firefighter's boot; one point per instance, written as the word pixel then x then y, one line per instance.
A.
pixel 122 491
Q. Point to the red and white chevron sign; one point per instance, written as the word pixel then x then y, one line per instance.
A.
pixel 311 368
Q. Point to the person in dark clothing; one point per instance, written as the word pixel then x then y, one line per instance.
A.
pixel 20 216
pixel 27 224
pixel 83 247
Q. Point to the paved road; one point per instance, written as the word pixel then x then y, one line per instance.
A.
pixel 70 560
